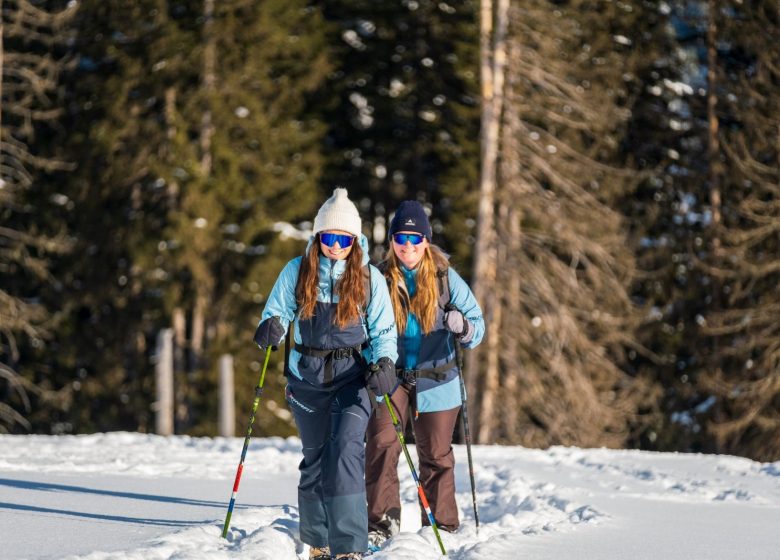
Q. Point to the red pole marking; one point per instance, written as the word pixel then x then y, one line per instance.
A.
pixel 238 477
pixel 422 497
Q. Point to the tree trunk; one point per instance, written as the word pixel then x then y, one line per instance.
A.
pixel 713 146
pixel 489 411
pixel 209 79
pixel 170 132
pixel 2 40
pixel 492 63
pixel 510 361
pixel 198 331
pixel 180 339
pixel 206 132
pixel 715 174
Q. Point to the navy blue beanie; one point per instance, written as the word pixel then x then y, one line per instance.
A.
pixel 411 216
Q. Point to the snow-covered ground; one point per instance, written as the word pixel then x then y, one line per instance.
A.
pixel 125 496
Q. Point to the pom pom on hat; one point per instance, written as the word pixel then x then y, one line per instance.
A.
pixel 411 216
pixel 338 212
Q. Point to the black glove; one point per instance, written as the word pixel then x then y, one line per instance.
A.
pixel 381 378
pixel 269 333
pixel 456 323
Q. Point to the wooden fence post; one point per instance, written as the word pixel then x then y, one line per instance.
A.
pixel 227 412
pixel 164 383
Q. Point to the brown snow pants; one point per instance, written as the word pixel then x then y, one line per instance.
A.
pixel 433 439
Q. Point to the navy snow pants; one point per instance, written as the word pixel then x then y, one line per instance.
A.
pixel 331 493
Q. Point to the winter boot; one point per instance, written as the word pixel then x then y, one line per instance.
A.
pixel 319 553
pixel 385 528
pixel 376 539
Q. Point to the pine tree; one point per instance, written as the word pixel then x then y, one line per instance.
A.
pixel 665 216
pixel 31 61
pixel 256 170
pixel 743 411
pixel 111 308
pixel 403 115
pixel 189 123
pixel 564 313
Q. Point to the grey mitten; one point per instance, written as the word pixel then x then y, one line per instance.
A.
pixel 456 323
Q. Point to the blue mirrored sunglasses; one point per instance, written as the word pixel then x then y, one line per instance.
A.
pixel 402 238
pixel 330 239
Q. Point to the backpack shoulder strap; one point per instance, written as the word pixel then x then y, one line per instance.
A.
pixel 444 287
pixel 367 284
pixel 287 346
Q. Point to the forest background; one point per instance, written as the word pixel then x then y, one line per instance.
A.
pixel 606 174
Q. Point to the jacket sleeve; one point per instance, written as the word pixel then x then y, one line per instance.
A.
pixel 380 320
pixel 463 298
pixel 281 301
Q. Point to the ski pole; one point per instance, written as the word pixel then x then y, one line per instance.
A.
pixel 258 393
pixel 466 431
pixel 420 491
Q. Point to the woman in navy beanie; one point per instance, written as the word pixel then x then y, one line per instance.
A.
pixel 421 285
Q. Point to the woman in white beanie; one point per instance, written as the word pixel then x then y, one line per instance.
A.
pixel 343 321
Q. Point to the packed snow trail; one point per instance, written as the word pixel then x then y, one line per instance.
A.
pixel 126 496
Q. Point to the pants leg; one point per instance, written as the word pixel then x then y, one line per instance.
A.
pixel 343 470
pixel 311 410
pixel 433 436
pixel 382 452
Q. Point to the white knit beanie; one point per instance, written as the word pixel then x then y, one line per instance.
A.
pixel 338 212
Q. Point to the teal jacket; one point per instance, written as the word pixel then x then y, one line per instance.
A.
pixel 421 351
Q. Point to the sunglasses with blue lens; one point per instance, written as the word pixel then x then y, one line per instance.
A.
pixel 402 238
pixel 330 239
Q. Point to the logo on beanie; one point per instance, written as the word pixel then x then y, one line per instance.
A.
pixel 410 222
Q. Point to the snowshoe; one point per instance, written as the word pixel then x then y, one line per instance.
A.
pixel 316 553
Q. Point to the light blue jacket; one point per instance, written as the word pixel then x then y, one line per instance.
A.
pixel 419 351
pixel 378 321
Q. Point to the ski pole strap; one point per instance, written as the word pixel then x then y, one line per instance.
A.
pixel 329 355
pixel 287 346
pixel 438 373
pixel 373 399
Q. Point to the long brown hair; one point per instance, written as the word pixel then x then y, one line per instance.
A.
pixel 350 286
pixel 426 298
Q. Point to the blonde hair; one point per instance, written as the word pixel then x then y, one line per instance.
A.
pixel 350 286
pixel 426 298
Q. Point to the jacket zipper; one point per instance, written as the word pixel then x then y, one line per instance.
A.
pixel 330 323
